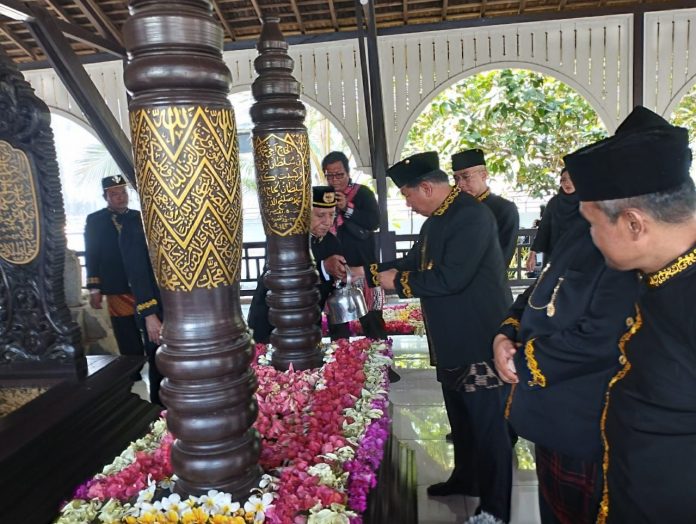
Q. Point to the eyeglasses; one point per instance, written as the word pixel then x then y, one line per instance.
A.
pixel 464 177
pixel 334 176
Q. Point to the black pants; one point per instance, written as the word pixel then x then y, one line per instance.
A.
pixel 372 326
pixel 482 449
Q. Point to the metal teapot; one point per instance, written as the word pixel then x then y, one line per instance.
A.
pixel 346 303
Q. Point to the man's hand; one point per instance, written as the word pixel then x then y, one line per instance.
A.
pixel 335 266
pixel 95 300
pixel 504 350
pixel 531 261
pixel 341 200
pixel 387 279
pixel 153 326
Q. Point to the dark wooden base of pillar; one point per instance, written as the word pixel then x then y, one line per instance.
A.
pixel 57 441
pixel 395 498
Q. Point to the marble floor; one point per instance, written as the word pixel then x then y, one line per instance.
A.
pixel 420 421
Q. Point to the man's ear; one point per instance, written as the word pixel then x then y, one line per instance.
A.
pixel 426 187
pixel 635 222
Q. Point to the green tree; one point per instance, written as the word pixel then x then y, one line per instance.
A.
pixel 685 115
pixel 525 121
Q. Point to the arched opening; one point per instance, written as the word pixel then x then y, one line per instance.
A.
pixel 324 137
pixel 82 161
pixel 525 122
pixel 685 115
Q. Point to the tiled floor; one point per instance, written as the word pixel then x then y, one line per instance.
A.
pixel 419 420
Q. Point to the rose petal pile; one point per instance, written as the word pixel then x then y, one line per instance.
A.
pixel 322 438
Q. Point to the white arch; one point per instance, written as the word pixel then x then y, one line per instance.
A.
pixel 314 103
pixel 558 75
pixel 75 119
pixel 679 96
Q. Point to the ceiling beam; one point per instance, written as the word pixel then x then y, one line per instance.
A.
pixel 404 11
pixel 16 40
pixel 523 6
pixel 562 5
pixel 58 9
pixel 444 9
pixel 99 20
pixel 65 62
pixel 297 16
pixel 483 8
pixel 332 10
pixel 18 11
pixel 259 14
pixel 223 21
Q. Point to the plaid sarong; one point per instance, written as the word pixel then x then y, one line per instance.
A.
pixel 569 488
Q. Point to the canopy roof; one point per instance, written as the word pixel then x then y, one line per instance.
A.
pixel 241 18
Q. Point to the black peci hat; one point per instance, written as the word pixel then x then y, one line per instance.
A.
pixel 468 158
pixel 410 170
pixel 113 181
pixel 646 155
pixel 323 196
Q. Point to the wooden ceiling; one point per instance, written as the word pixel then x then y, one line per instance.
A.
pixel 240 18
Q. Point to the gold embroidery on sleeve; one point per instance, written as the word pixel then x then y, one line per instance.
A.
pixel 404 284
pixel 538 378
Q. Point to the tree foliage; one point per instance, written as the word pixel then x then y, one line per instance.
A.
pixel 524 121
pixel 685 115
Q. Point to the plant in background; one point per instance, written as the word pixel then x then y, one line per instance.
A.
pixel 524 121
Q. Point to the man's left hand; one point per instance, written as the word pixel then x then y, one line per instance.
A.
pixel 153 326
pixel 387 279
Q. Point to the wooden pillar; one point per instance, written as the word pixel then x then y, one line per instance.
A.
pixel 186 159
pixel 283 176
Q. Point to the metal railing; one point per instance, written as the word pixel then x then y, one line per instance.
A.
pixel 254 258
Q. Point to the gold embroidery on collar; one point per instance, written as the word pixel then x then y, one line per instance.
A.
pixel 483 196
pixel 663 275
pixel 448 202
pixel 538 378
pixel 404 284
pixel 508 403
pixel 635 326
pixel 375 274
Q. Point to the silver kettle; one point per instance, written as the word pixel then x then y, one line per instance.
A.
pixel 346 303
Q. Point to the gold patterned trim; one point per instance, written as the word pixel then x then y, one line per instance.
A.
pixel 454 192
pixel 663 275
pixel 635 326
pixel 404 284
pixel 142 307
pixel 375 274
pixel 94 280
pixel 511 321
pixel 483 196
pixel 508 403
pixel 538 378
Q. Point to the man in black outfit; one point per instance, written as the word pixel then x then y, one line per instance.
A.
pixel 148 305
pixel 106 274
pixel 471 176
pixel 328 257
pixel 456 269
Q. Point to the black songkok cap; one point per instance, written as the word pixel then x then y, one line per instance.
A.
pixel 410 170
pixel 468 158
pixel 323 196
pixel 646 155
pixel 113 181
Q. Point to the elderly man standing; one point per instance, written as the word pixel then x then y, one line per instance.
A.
pixel 456 269
pixel 636 192
pixel 471 176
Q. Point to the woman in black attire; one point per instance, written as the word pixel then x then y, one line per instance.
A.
pixel 561 214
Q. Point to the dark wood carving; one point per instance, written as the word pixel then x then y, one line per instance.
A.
pixel 283 178
pixel 186 160
pixel 37 334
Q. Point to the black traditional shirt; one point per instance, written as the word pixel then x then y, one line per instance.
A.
pixel 650 415
pixel 508 221
pixel 456 269
pixel 568 324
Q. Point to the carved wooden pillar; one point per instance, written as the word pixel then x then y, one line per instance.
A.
pixel 281 155
pixel 186 159
pixel 37 335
